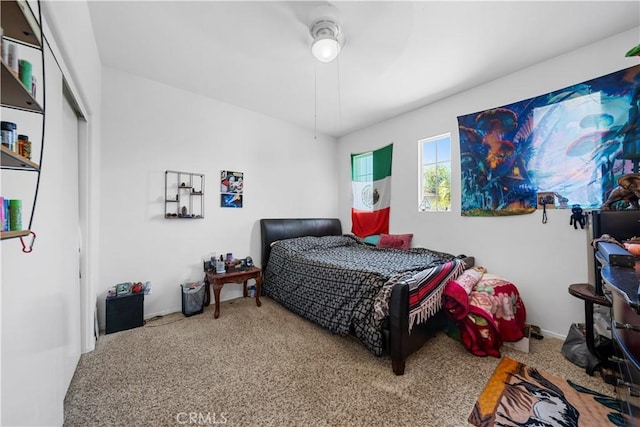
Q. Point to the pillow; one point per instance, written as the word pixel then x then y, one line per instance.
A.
pixel 372 240
pixel 395 241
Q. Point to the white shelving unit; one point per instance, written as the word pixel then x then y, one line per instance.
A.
pixel 183 195
pixel 21 26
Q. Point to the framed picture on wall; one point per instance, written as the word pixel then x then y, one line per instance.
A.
pixel 231 188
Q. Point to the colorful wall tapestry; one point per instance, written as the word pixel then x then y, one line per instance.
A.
pixel 575 143
pixel 371 186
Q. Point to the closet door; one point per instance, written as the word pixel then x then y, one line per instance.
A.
pixel 41 333
pixel 72 235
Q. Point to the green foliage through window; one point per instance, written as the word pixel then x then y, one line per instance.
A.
pixel 435 174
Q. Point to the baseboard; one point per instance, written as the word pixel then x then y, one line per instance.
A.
pixel 551 334
pixel 231 296
pixel 91 345
pixel 162 313
pixel 147 316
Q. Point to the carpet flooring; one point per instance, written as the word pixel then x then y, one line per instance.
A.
pixel 269 367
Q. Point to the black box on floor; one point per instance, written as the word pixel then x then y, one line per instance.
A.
pixel 124 312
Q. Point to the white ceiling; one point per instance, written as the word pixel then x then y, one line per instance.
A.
pixel 398 56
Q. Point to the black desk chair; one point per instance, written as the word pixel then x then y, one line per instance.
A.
pixel 587 293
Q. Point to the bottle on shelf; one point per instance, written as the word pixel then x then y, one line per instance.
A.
pixel 3 215
pixel 15 215
pixel 25 73
pixel 12 58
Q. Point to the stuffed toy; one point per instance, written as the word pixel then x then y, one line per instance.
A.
pixel 577 217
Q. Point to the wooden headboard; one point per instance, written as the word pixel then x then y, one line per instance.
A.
pixel 272 229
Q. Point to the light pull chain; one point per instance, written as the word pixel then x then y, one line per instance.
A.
pixel 315 101
pixel 339 93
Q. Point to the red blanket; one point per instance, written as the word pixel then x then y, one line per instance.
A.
pixel 425 291
pixel 487 309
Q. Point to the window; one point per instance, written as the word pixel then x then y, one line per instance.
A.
pixel 435 174
pixel 362 167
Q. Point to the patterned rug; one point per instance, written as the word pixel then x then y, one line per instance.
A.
pixel 519 395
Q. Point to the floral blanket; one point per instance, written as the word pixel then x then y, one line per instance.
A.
pixel 487 309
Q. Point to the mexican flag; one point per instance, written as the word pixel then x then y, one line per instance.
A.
pixel 371 186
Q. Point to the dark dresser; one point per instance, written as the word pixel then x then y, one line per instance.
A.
pixel 621 288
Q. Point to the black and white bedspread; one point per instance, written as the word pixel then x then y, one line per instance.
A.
pixel 334 280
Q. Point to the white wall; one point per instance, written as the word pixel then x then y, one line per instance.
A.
pixel 541 259
pixel 41 318
pixel 149 128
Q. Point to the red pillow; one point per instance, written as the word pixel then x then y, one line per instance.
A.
pixel 395 241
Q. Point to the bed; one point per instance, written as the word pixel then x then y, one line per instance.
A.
pixel 388 298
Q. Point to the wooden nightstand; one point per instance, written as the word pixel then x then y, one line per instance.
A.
pixel 217 280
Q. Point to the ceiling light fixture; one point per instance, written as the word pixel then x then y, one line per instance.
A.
pixel 326 39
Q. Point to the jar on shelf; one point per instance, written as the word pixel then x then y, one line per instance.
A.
pixel 24 146
pixel 9 131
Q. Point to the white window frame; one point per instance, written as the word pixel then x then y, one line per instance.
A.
pixel 438 162
pixel 365 167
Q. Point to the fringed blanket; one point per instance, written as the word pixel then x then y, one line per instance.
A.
pixel 425 291
pixel 335 281
pixel 487 309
